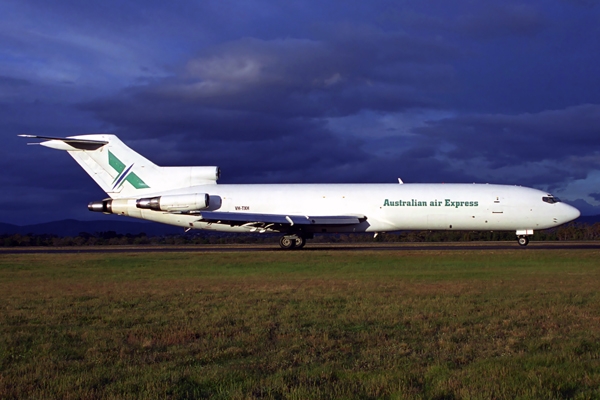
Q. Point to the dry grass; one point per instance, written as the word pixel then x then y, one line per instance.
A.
pixel 426 324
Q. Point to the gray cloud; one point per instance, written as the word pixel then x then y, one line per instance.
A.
pixel 596 196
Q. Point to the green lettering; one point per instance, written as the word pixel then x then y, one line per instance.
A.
pixel 386 202
pixel 447 202
pixel 476 204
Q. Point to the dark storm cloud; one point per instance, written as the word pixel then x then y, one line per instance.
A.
pixel 548 147
pixel 583 3
pixel 304 153
pixel 475 20
pixel 500 20
pixel 271 94
pixel 556 134
pixel 518 56
pixel 292 78
pixel 263 103
pixel 42 183
pixel 417 165
pixel 256 87
pixel 313 157
pixel 7 82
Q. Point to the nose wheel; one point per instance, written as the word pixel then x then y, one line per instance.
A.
pixel 523 240
pixel 290 242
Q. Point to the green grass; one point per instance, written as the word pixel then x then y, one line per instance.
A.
pixel 362 325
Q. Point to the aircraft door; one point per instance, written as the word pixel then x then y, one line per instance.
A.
pixel 498 205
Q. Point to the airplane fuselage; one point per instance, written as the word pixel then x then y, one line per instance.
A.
pixel 388 207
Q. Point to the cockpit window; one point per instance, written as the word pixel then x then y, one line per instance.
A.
pixel 551 199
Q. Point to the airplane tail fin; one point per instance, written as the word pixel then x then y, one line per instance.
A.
pixel 123 173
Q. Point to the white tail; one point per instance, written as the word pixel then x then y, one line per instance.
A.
pixel 123 173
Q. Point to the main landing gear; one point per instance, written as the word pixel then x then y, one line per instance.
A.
pixel 290 242
pixel 523 240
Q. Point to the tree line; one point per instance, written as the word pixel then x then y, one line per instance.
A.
pixel 573 231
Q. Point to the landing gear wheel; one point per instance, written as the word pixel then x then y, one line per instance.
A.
pixel 300 242
pixel 523 240
pixel 287 242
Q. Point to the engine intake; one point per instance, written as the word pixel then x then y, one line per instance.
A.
pixel 177 202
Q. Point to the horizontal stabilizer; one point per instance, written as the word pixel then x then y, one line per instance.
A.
pixel 234 218
pixel 72 144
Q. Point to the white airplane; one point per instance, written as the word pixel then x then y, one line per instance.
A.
pixel 191 198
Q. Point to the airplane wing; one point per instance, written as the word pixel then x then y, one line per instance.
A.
pixel 235 218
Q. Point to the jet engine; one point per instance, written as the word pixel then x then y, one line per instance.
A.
pixel 104 206
pixel 176 202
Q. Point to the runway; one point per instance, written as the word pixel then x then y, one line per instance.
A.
pixel 316 247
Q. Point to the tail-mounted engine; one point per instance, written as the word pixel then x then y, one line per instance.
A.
pixel 177 202
pixel 104 206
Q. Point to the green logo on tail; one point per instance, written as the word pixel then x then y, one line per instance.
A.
pixel 124 174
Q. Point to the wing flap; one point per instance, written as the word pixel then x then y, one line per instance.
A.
pixel 242 218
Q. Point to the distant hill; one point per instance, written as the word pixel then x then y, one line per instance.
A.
pixel 71 227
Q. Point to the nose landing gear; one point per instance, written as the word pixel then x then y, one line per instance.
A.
pixel 523 240
pixel 522 236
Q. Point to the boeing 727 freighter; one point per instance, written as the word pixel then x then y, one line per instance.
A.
pixel 191 198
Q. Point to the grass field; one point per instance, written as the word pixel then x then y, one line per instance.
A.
pixel 429 324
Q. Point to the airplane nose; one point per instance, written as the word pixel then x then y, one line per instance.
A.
pixel 569 213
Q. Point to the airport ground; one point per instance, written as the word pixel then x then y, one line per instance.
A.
pixel 437 321
pixel 310 247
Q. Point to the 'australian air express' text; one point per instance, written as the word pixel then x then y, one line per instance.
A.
pixel 433 203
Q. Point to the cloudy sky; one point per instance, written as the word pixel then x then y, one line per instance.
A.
pixel 303 91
